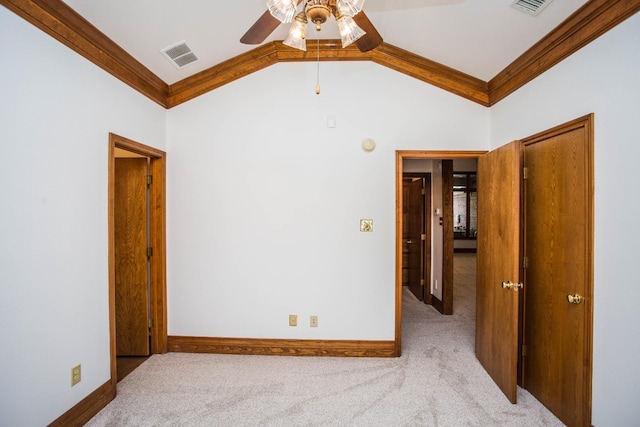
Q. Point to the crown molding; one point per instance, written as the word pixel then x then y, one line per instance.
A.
pixel 431 72
pixel 221 74
pixel 588 23
pixel 329 50
pixel 64 24
pixel 57 19
pixel 254 60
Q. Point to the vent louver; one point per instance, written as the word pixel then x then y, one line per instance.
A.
pixel 530 7
pixel 179 54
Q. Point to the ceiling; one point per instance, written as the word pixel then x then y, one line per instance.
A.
pixel 476 37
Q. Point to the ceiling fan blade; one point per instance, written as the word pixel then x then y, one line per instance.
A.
pixel 372 39
pixel 261 29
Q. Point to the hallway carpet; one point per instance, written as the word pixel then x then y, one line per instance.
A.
pixel 436 382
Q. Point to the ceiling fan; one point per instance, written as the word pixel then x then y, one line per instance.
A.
pixel 354 25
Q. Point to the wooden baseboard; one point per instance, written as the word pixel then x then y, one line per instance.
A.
pixel 88 407
pixel 437 304
pixel 282 347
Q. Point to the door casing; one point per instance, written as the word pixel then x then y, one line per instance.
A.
pixel 157 241
pixel 402 155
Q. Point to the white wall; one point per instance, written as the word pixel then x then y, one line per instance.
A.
pixel 56 111
pixel 265 199
pixel 603 78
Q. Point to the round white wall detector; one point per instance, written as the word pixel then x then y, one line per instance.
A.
pixel 368 145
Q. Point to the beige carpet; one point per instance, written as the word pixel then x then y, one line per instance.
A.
pixel 437 382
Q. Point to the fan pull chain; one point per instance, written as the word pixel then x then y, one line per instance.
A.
pixel 318 69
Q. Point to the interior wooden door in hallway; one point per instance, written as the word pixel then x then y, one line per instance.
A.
pixel 417 236
pixel 558 212
pixel 131 260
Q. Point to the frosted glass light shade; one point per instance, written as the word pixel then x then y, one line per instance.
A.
pixel 282 10
pixel 350 7
pixel 297 37
pixel 349 30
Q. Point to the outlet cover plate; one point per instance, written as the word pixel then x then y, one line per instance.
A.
pixel 293 320
pixel 76 375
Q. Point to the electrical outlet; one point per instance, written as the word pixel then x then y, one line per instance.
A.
pixel 435 282
pixel 76 375
pixel 313 321
pixel 293 320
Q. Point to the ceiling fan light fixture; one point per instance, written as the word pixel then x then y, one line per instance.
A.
pixel 350 7
pixel 349 30
pixel 318 12
pixel 297 37
pixel 282 10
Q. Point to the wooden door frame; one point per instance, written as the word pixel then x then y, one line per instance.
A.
pixel 402 155
pixel 157 239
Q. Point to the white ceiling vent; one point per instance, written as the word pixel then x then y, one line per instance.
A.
pixel 180 54
pixel 530 7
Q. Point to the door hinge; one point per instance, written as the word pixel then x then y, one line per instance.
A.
pixel 421 282
pixel 524 350
pixel 525 173
pixel 150 323
pixel 525 262
pixel 423 237
pixel 149 179
pixel 149 252
pixel 423 192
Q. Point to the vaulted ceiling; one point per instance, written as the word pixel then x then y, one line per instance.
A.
pixel 479 49
pixel 476 37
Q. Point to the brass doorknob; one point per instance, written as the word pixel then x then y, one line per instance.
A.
pixel 511 286
pixel 574 299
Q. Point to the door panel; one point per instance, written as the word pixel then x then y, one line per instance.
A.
pixel 130 238
pixel 497 262
pixel 414 242
pixel 426 244
pixel 557 221
pixel 447 236
pixel 405 230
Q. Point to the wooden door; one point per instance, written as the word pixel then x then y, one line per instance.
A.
pixel 406 182
pixel 447 236
pixel 498 262
pixel 557 226
pixel 415 217
pixel 131 277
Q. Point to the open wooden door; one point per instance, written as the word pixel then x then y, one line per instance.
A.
pixel 415 217
pixel 131 262
pixel 498 267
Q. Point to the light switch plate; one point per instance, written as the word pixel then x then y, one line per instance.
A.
pixel 366 225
